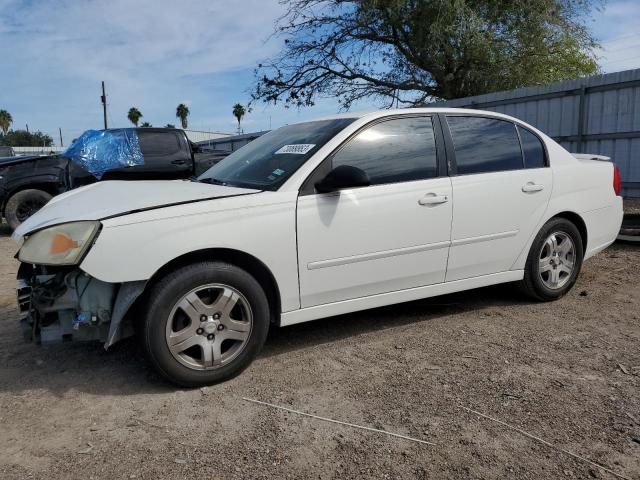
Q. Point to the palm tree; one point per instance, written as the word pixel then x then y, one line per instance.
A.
pixel 146 125
pixel 238 112
pixel 182 112
pixel 5 121
pixel 134 115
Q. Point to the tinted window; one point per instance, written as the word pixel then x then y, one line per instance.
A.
pixel 484 145
pixel 532 148
pixel 158 143
pixel 267 162
pixel 398 150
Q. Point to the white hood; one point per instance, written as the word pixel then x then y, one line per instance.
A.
pixel 110 198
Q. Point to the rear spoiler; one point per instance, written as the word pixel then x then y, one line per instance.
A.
pixel 589 156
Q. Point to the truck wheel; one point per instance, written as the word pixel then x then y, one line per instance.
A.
pixel 554 261
pixel 24 204
pixel 205 323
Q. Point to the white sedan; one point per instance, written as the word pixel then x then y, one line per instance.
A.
pixel 311 220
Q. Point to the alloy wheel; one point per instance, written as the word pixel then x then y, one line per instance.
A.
pixel 557 260
pixel 209 327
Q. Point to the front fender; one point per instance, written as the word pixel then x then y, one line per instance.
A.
pixel 133 248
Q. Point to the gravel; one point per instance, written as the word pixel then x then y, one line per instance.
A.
pixel 567 372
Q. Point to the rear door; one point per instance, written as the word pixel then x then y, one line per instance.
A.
pixel 389 236
pixel 501 188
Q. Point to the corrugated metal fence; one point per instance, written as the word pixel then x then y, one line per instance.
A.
pixel 599 114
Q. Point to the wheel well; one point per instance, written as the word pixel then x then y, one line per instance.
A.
pixel 240 259
pixel 580 225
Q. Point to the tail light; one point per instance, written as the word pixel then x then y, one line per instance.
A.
pixel 617 182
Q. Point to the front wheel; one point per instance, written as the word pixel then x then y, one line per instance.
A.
pixel 554 261
pixel 24 204
pixel 205 323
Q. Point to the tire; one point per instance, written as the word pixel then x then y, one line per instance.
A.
pixel 24 204
pixel 545 261
pixel 182 310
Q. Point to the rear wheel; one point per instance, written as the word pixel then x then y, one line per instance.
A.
pixel 554 261
pixel 24 204
pixel 205 323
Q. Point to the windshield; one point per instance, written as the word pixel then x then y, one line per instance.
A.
pixel 267 162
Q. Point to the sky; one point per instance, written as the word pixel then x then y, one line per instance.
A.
pixel 155 54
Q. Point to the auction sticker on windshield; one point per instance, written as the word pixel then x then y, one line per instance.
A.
pixel 298 149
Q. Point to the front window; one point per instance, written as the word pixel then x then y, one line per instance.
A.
pixel 267 162
pixel 396 150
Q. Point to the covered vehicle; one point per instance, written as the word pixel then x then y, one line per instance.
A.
pixel 308 221
pixel 28 183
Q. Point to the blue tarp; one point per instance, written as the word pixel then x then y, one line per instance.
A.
pixel 99 151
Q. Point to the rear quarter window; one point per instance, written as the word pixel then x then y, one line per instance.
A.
pixel 532 149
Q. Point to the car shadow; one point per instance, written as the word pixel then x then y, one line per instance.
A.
pixel 5 230
pixel 124 369
pixel 331 329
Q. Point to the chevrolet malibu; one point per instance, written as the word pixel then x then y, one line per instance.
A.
pixel 315 219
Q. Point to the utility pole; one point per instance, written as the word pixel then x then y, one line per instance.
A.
pixel 60 130
pixel 103 98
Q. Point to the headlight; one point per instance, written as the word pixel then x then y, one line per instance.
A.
pixel 63 244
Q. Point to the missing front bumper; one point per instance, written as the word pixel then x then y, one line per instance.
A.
pixel 63 305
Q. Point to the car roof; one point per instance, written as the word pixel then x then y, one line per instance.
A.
pixel 365 117
pixel 408 111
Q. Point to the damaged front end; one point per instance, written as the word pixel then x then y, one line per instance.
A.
pixel 64 303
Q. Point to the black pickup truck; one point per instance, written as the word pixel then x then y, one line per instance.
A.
pixel 28 183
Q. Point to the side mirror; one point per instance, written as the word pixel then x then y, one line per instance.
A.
pixel 344 176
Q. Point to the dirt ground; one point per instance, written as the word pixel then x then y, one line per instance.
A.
pixel 632 206
pixel 567 372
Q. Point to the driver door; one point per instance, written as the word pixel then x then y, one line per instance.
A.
pixel 389 236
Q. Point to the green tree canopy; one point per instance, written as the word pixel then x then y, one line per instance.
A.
pixel 169 125
pixel 239 112
pixel 134 115
pixel 182 112
pixel 5 121
pixel 22 138
pixel 413 51
pixel 146 125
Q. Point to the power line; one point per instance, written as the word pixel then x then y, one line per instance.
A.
pixel 621 60
pixel 613 39
pixel 635 45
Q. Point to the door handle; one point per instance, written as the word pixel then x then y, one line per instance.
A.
pixel 531 187
pixel 179 162
pixel 433 199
